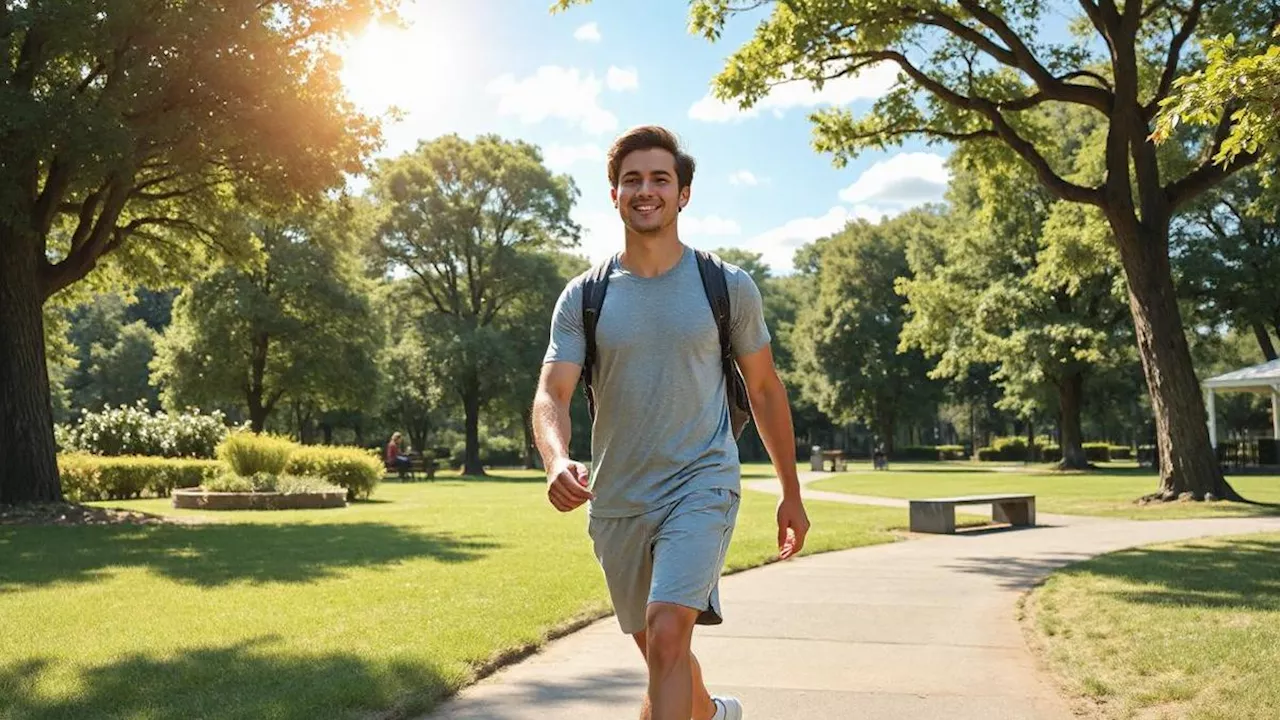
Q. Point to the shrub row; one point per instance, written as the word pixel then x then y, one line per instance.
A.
pixel 249 462
pixel 352 468
pixel 928 452
pixel 1015 450
pixel 134 430
pixel 92 477
pixel 249 455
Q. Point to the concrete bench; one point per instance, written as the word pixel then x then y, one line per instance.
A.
pixel 938 515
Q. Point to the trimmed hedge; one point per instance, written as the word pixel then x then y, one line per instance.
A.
pixel 1014 449
pixel 93 477
pixel 352 468
pixel 918 453
pixel 248 454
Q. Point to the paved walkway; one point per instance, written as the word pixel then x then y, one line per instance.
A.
pixel 912 630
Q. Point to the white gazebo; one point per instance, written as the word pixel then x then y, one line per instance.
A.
pixel 1264 378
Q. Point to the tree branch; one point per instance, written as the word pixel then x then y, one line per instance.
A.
pixel 1026 61
pixel 1094 13
pixel 56 183
pixel 82 259
pixel 1204 177
pixel 1190 20
pixel 1054 182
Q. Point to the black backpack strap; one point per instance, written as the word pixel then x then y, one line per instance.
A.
pixel 711 268
pixel 593 289
pixel 717 290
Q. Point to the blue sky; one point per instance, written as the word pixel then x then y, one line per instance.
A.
pixel 571 82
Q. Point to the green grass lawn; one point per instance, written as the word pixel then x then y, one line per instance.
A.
pixel 1108 492
pixel 1186 630
pixel 377 609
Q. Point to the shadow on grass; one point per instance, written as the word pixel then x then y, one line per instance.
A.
pixel 246 680
pixel 212 555
pixel 1236 574
pixel 1017 573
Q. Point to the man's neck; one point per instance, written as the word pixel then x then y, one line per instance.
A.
pixel 651 255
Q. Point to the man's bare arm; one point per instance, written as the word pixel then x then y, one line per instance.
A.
pixel 551 426
pixel 566 479
pixel 772 414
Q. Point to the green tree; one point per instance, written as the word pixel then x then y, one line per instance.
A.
pixel 112 354
pixel 414 396
pixel 1024 284
pixel 969 71
pixel 847 361
pixel 462 218
pixel 298 325
pixel 1227 259
pixel 124 128
pixel 1240 84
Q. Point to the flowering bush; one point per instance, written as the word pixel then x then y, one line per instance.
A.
pixel 134 430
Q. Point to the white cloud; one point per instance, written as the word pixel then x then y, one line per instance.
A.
pixel 588 33
pixel 743 177
pixel 711 225
pixel 620 79
pixel 900 182
pixel 601 233
pixel 884 189
pixel 779 244
pixel 871 83
pixel 559 156
pixel 554 91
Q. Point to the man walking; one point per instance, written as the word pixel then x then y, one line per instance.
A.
pixel 667 479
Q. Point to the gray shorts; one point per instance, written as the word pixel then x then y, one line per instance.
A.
pixel 673 554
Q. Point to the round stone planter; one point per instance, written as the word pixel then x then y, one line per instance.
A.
pixel 197 499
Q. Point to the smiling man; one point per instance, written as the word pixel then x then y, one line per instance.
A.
pixel 664 488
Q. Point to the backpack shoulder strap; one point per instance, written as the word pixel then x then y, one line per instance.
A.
pixel 716 287
pixel 593 289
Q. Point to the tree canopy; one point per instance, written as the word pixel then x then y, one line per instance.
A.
pixel 466 220
pixel 129 132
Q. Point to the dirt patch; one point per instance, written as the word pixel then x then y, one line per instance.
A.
pixel 73 514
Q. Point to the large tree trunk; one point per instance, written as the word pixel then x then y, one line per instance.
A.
pixel 28 457
pixel 1186 459
pixel 1070 400
pixel 471 407
pixel 1264 341
pixel 258 409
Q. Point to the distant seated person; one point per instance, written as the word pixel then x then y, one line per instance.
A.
pixel 396 458
pixel 879 459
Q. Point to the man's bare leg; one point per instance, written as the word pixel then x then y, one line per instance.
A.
pixel 676 688
pixel 703 708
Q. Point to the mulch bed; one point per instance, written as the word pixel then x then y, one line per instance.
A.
pixel 72 514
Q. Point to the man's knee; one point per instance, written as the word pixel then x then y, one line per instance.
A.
pixel 668 631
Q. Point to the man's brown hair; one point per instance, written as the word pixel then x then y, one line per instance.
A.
pixel 647 137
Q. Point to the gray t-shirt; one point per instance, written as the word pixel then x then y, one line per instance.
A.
pixel 662 422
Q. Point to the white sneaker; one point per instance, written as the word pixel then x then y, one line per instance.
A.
pixel 727 708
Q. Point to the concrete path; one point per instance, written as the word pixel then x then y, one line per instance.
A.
pixel 912 630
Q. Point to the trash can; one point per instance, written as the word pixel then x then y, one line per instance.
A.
pixel 815 458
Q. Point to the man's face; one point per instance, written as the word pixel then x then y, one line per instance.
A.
pixel 647 197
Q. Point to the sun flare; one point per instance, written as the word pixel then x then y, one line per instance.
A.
pixel 389 66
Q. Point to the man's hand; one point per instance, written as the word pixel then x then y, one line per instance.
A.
pixel 793 525
pixel 567 482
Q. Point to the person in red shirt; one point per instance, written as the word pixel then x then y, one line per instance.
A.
pixel 396 458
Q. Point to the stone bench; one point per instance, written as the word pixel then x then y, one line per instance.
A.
pixel 938 515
